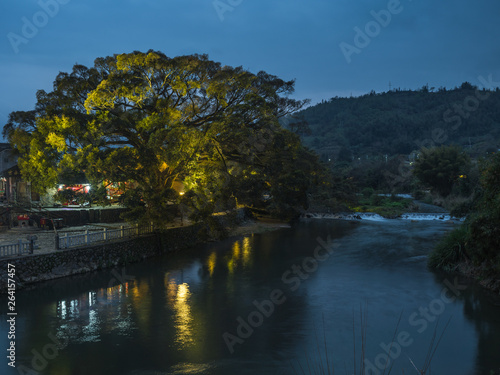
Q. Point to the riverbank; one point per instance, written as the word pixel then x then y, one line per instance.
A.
pixel 465 251
pixel 255 226
pixel 477 273
pixel 48 264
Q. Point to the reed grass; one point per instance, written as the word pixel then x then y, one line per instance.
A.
pixel 319 362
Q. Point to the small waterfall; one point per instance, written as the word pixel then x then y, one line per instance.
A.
pixel 417 216
pixel 346 216
pixel 370 216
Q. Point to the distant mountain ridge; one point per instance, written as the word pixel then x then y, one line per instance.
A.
pixel 398 122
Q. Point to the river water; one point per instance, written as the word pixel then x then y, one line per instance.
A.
pixel 324 293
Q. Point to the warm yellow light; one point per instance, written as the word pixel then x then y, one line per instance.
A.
pixel 230 265
pixel 236 249
pixel 183 316
pixel 247 249
pixel 212 259
pixel 182 292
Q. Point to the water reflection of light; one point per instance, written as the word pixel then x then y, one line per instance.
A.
pixel 247 249
pixel 92 298
pixel 116 292
pixel 141 300
pixel 62 309
pixel 191 368
pixel 74 310
pixel 86 317
pixel 230 265
pixel 241 254
pixel 236 249
pixel 178 296
pixel 212 259
pixel 91 332
pixel 183 292
pixel 183 315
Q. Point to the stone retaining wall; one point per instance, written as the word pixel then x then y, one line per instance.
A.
pixel 40 267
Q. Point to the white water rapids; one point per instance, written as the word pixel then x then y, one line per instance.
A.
pixel 412 216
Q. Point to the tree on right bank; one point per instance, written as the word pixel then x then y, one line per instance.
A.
pixel 477 240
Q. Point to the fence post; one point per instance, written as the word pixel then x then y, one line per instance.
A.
pixel 32 244
pixel 137 229
pixel 122 231
pixel 20 247
pixel 87 236
pixel 105 234
pixel 57 242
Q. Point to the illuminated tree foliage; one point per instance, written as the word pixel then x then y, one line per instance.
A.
pixel 148 121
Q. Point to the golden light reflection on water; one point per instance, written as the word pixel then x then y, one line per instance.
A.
pixel 241 254
pixel 190 368
pixel 230 265
pixel 178 297
pixel 236 249
pixel 247 250
pixel 140 296
pixel 211 261
pixel 114 293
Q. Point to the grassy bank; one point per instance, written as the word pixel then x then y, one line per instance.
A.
pixel 473 249
pixel 390 207
pixel 461 251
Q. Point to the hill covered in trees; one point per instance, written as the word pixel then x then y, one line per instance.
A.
pixel 400 121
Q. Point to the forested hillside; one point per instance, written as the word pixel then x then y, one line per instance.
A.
pixel 398 122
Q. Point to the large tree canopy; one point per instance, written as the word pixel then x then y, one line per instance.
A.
pixel 147 121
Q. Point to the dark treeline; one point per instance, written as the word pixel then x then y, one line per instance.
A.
pixel 400 121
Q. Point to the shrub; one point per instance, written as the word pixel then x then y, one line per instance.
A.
pixel 451 249
pixel 376 200
pixel 462 209
pixel 367 192
pixel 419 195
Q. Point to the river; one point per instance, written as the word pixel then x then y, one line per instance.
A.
pixel 325 292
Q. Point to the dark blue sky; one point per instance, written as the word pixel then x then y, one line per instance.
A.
pixel 408 43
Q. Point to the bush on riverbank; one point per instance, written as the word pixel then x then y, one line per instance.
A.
pixel 450 250
pixel 478 239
